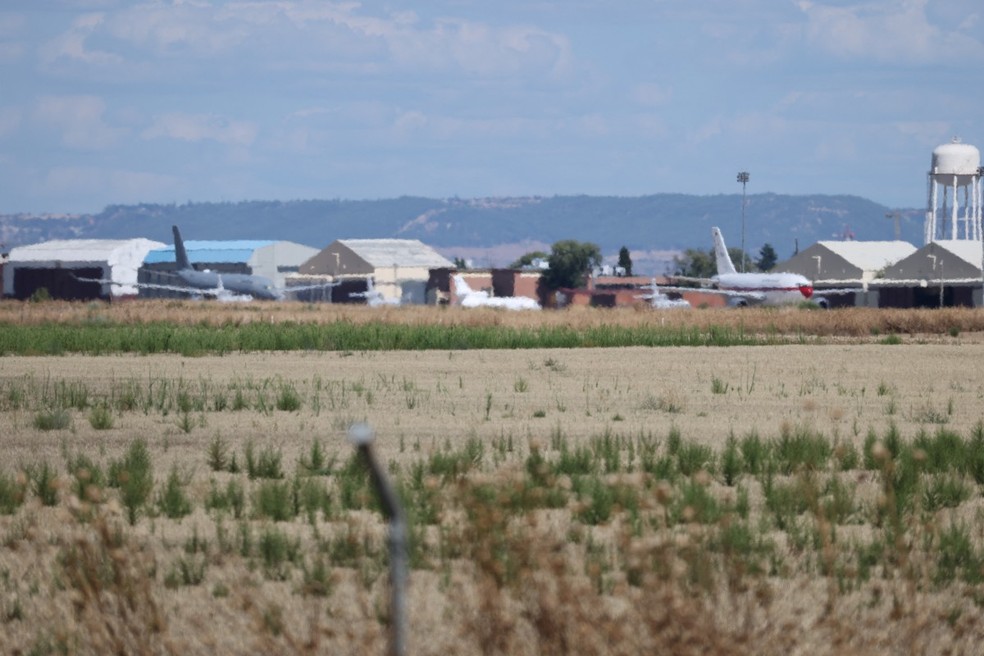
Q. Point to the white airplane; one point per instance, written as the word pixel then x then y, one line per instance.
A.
pixel 470 298
pixel 752 288
pixel 374 297
pixel 660 301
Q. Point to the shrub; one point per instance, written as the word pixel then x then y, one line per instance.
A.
pixel 52 420
pixel 100 417
pixel 288 400
pixel 172 500
pixel 11 493
pixel 274 500
pixel 44 482
pixel 218 454
pixel 134 476
pixel 264 465
pixel 276 550
pixel 316 463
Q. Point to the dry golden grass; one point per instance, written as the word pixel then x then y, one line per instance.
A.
pixel 848 322
pixel 76 578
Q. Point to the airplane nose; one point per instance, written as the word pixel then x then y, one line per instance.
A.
pixel 806 291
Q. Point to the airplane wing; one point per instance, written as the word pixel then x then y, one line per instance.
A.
pixel 836 292
pixel 303 288
pixel 733 293
pixel 705 282
pixel 219 293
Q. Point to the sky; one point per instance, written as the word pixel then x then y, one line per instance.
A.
pixel 112 102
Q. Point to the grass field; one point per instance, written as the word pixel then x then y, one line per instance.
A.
pixel 819 493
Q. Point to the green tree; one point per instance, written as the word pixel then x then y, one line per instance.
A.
pixel 460 264
pixel 625 260
pixel 767 258
pixel 527 259
pixel 696 263
pixel 570 263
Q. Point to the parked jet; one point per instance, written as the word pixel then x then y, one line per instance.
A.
pixel 657 299
pixel 469 298
pixel 751 288
pixel 374 297
pixel 208 282
pixel 222 286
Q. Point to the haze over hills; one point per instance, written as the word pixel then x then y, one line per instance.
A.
pixel 494 231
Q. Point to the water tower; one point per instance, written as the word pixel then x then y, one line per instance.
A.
pixel 954 210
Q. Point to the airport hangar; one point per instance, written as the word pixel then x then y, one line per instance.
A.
pixel 56 266
pixel 943 273
pixel 400 269
pixel 894 274
pixel 840 265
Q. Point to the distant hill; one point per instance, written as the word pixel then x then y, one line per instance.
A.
pixel 495 230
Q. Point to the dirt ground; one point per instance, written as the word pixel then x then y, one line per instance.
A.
pixel 421 397
pixel 419 401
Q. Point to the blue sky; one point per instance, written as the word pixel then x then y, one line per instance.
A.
pixel 104 101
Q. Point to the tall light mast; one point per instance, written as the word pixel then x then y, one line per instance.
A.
pixel 743 179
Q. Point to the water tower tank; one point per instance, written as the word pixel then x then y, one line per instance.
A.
pixel 956 158
pixel 955 193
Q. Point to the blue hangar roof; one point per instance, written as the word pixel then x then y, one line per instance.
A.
pixel 232 251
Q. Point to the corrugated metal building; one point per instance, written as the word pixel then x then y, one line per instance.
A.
pixel 941 273
pixel 399 267
pixel 846 265
pixel 57 265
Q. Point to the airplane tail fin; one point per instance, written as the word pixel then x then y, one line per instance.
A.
pixel 180 256
pixel 460 286
pixel 724 263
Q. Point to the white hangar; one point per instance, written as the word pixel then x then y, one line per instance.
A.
pixel 56 266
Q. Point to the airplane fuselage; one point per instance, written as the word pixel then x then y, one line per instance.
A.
pixel 236 283
pixel 766 288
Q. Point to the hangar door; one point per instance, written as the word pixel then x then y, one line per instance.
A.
pixel 60 283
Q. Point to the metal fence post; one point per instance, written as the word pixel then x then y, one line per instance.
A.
pixel 361 435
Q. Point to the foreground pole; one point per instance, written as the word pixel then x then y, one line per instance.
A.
pixel 361 435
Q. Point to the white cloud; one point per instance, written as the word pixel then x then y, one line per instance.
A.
pixel 307 34
pixel 80 120
pixel 886 31
pixel 202 127
pixel 71 46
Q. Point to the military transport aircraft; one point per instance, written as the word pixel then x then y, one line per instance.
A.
pixel 222 286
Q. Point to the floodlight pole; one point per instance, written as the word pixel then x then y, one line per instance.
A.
pixel 980 230
pixel 896 216
pixel 743 179
pixel 361 436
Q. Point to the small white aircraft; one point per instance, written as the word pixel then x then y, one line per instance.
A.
pixel 374 297
pixel 751 288
pixel 660 301
pixel 470 298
